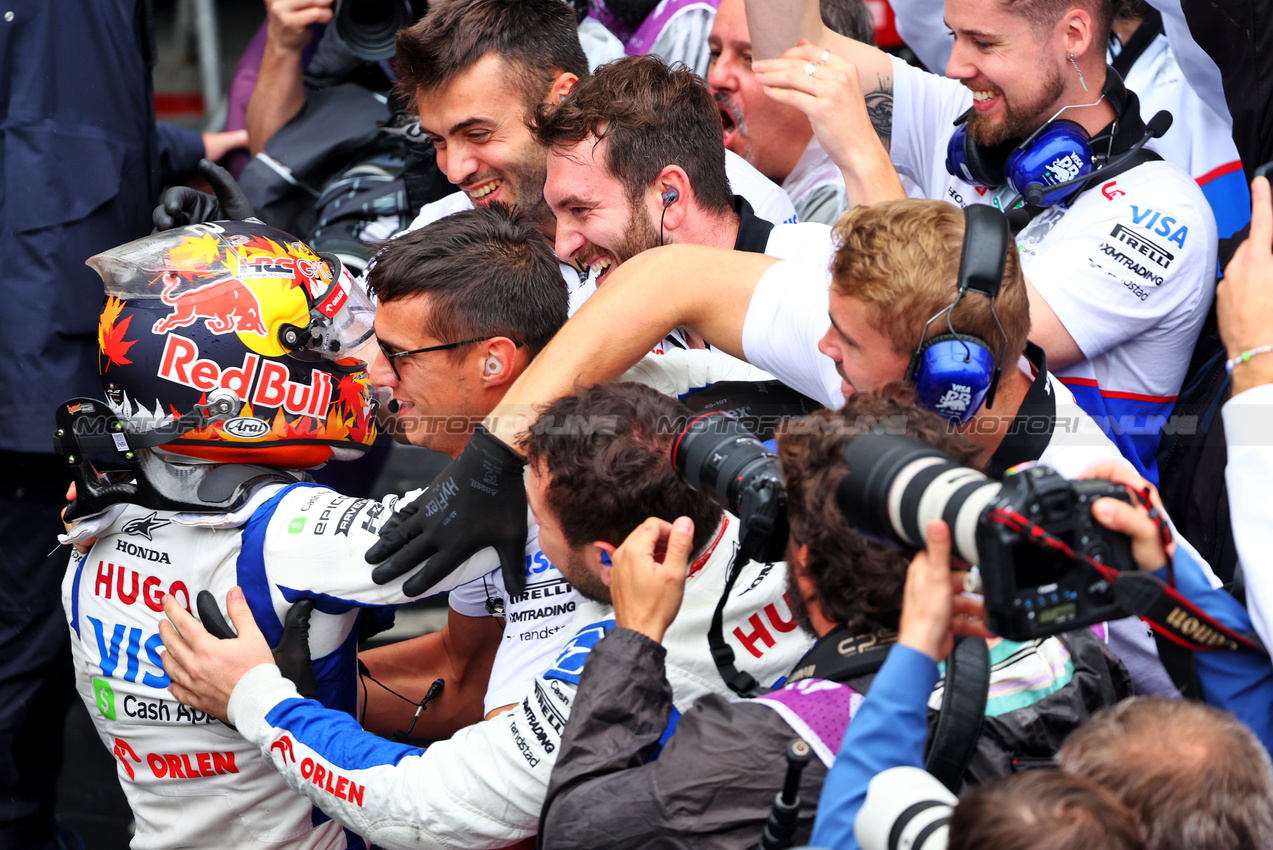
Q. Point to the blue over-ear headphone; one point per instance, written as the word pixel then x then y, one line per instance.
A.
pixel 954 373
pixel 1058 152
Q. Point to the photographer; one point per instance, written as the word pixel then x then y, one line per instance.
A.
pixel 608 787
pixel 285 78
pixel 894 292
pixel 882 737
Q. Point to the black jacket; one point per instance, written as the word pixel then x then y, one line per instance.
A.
pixel 712 785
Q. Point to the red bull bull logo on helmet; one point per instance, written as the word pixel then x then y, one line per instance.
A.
pixel 181 364
pixel 227 306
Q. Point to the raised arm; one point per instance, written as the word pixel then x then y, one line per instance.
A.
pixel 776 26
pixel 280 91
pixel 851 114
pixel 639 304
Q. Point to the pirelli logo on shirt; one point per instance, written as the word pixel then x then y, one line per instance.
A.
pixel 1142 245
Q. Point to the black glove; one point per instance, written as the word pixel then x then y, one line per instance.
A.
pixel 291 654
pixel 479 500
pixel 182 205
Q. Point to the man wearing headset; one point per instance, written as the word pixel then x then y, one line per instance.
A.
pixel 1119 267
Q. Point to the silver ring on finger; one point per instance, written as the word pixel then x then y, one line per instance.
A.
pixel 826 55
pixel 810 68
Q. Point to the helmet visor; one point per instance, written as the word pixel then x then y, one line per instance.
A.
pixel 349 332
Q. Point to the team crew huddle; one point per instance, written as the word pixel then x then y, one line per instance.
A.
pixel 934 289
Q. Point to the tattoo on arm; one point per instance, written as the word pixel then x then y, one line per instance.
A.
pixel 879 106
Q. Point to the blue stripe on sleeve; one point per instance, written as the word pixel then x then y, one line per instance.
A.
pixel 336 736
pixel 250 567
pixel 1134 425
pixel 1230 200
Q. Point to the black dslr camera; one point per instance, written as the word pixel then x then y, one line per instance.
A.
pixel 721 459
pixel 897 484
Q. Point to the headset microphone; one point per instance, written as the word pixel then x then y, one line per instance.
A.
pixel 1156 128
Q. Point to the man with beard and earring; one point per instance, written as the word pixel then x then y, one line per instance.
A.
pixel 635 161
pixel 714 779
pixel 1118 246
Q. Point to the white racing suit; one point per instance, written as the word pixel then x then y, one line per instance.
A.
pixel 190 780
pixel 485 786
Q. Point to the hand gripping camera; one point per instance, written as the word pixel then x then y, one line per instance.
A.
pixel 724 461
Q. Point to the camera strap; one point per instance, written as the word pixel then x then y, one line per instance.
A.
pixel 1176 618
pixel 740 682
pixel 962 714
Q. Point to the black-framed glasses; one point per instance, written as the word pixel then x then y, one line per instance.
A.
pixel 392 356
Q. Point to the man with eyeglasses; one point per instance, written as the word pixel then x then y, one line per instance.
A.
pixel 463 305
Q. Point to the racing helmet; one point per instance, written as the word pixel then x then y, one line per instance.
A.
pixel 246 321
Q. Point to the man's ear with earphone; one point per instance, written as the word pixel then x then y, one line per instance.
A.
pixel 675 195
pixel 499 362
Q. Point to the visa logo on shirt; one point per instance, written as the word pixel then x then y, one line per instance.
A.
pixel 538 563
pixel 1163 225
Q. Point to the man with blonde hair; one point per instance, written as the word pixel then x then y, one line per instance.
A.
pixel 894 292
